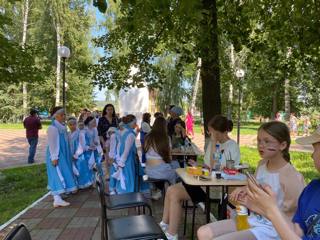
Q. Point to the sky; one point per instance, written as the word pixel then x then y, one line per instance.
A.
pixel 99 94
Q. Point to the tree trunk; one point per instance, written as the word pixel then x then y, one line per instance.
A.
pixel 274 105
pixel 58 77
pixel 287 98
pixel 196 86
pixel 23 43
pixel 230 98
pixel 210 72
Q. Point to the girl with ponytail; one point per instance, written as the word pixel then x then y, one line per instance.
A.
pixel 275 170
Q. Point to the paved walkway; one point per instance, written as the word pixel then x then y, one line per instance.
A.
pixel 81 220
pixel 14 146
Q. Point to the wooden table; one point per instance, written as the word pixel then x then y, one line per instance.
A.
pixel 225 184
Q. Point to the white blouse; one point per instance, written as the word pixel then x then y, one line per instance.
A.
pixel 53 139
pixel 128 144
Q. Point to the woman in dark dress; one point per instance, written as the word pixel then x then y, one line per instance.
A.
pixel 108 119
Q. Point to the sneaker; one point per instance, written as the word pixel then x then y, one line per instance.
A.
pixel 60 203
pixel 170 237
pixel 164 226
pixel 112 193
pixel 156 195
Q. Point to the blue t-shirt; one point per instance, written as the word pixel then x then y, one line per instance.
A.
pixel 308 210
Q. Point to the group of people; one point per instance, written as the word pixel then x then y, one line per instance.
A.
pixel 279 208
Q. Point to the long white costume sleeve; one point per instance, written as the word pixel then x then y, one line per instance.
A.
pixel 53 142
pixel 128 144
pixel 81 146
pixel 113 146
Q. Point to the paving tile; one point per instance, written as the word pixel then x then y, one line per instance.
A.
pixel 36 213
pixel 97 234
pixel 91 204
pixel 82 222
pixel 83 233
pixel 53 223
pixel 44 205
pixel 62 213
pixel 47 234
pixel 30 223
pixel 88 212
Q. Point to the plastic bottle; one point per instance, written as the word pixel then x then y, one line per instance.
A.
pixel 242 218
pixel 217 158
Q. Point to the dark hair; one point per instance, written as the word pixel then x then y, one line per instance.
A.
pixel 281 132
pixel 33 111
pixel 88 119
pixel 221 123
pixel 158 139
pixel 104 111
pixel 146 117
pixel 129 118
pixel 158 114
pixel 55 109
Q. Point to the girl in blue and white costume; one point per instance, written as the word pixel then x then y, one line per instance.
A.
pixel 92 149
pixel 58 159
pixel 114 139
pixel 126 169
pixel 77 142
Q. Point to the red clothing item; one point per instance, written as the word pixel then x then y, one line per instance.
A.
pixel 32 125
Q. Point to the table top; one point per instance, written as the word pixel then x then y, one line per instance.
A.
pixel 191 180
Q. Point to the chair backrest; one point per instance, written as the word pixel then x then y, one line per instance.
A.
pixel 19 232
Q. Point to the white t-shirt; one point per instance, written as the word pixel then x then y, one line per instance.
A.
pixel 228 148
pixel 145 127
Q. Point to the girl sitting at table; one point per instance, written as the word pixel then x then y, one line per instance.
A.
pixel 219 126
pixel 275 170
pixel 157 148
pixel 307 217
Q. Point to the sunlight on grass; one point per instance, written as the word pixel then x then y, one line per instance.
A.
pixel 19 187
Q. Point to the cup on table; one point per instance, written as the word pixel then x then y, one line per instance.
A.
pixel 218 175
pixel 205 172
pixel 230 164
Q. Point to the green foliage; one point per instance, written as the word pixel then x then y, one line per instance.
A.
pixel 19 187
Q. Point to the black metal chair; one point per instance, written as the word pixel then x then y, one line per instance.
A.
pixel 19 232
pixel 126 200
pixel 160 184
pixel 141 227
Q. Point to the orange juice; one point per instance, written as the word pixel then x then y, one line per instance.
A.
pixel 242 218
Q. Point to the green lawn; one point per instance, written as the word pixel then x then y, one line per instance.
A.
pixel 245 128
pixel 19 187
pixel 17 126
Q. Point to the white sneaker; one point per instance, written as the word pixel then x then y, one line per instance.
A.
pixel 156 195
pixel 60 203
pixel 112 193
pixel 170 237
pixel 164 226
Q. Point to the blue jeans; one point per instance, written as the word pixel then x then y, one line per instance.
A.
pixel 33 142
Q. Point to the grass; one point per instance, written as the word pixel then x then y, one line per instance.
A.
pixel 249 128
pixel 19 126
pixel 19 187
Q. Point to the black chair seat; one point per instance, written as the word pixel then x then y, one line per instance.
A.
pixel 19 232
pixel 126 200
pixel 134 227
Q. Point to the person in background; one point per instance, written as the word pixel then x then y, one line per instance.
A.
pixel 158 157
pixel 175 113
pixel 179 136
pixel 293 125
pixel 145 129
pixel 108 119
pixel 189 124
pixel 32 125
pixel 274 169
pixel 306 219
pixel 158 114
pixel 114 136
pixel 58 159
pixel 77 143
pixel 306 126
pixel 126 163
